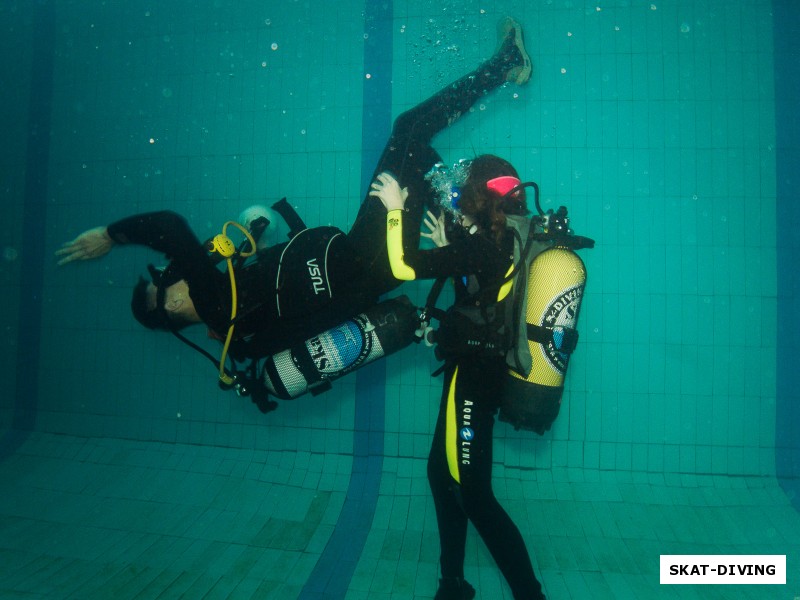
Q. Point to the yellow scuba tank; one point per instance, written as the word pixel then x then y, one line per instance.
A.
pixel 534 325
pixel 549 299
pixel 556 282
pixel 555 285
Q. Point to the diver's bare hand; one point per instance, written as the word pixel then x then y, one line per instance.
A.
pixel 436 226
pixel 90 244
pixel 388 190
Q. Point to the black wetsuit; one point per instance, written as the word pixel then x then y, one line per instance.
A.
pixel 357 263
pixel 409 156
pixel 289 293
pixel 460 460
pixel 462 448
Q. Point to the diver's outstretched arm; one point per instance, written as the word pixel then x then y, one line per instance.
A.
pixel 93 243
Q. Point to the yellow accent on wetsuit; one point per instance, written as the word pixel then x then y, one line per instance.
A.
pixel 505 289
pixel 394 245
pixel 451 430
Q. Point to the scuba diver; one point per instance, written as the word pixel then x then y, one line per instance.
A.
pixel 476 249
pixel 480 201
pixel 288 290
pixel 288 293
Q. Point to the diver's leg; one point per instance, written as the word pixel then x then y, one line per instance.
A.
pixel 415 129
pixel 478 386
pixel 408 155
pixel 450 517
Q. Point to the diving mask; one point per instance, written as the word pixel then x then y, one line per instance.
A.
pixel 162 278
pixel 148 307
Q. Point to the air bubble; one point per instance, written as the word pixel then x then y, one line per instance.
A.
pixel 274 46
pixel 685 28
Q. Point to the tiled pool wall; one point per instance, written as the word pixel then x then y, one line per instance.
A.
pixel 653 123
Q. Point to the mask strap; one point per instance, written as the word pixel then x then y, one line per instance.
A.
pixel 503 185
pixel 508 187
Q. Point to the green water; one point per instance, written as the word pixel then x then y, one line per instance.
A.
pixel 653 122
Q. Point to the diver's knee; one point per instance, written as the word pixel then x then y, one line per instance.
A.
pixel 476 501
pixel 402 120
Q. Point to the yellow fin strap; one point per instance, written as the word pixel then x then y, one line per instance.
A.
pixel 394 244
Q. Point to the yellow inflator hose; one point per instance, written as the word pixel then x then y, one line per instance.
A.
pixel 223 245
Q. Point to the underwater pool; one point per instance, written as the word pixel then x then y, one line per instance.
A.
pixel 668 129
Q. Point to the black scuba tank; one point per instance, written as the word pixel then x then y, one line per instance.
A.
pixel 310 366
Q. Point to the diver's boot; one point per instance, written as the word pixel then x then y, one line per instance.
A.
pixel 511 51
pixel 454 588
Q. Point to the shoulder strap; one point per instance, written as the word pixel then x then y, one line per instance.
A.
pixel 290 216
pixel 518 356
pixel 523 248
pixel 430 309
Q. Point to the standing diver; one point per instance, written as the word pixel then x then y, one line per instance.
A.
pixel 476 248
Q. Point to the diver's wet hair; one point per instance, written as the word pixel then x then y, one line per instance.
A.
pixel 487 207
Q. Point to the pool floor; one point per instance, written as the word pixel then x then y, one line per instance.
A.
pixel 106 518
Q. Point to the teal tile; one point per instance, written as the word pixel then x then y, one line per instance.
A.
pixel 645 117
